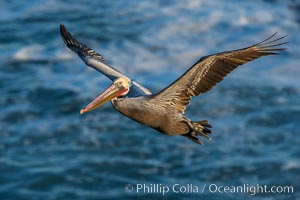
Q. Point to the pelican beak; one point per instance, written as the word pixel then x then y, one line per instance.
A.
pixel 111 92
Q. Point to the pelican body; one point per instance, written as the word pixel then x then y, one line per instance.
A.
pixel 147 110
pixel 164 111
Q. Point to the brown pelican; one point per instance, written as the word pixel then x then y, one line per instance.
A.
pixel 164 111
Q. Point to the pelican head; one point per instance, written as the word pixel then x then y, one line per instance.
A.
pixel 119 88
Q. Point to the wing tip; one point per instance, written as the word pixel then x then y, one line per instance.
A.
pixel 269 42
pixel 272 45
pixel 68 39
pixel 81 49
pixel 62 30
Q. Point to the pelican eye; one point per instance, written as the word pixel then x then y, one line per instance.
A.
pixel 119 83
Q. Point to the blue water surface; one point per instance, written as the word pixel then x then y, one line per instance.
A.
pixel 49 151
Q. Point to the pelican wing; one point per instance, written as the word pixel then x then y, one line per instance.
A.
pixel 210 70
pixel 97 62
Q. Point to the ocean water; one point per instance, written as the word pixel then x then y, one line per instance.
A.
pixel 49 151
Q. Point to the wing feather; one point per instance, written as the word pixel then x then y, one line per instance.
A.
pixel 89 56
pixel 210 70
pixel 97 62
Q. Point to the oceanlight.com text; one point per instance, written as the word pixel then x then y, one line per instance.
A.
pixel 164 189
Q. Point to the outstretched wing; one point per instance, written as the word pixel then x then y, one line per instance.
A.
pixel 97 62
pixel 210 70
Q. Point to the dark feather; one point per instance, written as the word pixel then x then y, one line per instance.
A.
pixel 97 62
pixel 82 50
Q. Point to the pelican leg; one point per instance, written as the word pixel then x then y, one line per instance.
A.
pixel 192 136
pixel 200 128
pixel 205 124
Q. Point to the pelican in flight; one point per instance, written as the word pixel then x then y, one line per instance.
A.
pixel 164 111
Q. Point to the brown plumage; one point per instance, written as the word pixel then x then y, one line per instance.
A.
pixel 164 111
pixel 210 70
